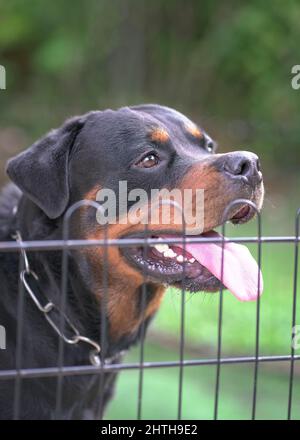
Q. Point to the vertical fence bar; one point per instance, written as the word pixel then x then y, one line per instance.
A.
pixel 19 340
pixel 220 323
pixel 220 317
pixel 62 305
pixel 103 323
pixel 181 350
pixel 142 346
pixel 294 316
pixel 182 318
pixel 142 357
pixel 257 329
pixel 63 297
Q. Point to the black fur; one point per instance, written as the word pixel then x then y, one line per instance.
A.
pixel 99 148
pixel 39 342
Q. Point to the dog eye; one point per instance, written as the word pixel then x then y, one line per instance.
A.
pixel 210 147
pixel 149 161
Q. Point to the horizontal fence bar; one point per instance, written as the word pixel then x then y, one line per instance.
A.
pixel 12 246
pixel 87 369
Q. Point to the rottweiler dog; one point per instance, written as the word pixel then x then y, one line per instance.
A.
pixel 148 147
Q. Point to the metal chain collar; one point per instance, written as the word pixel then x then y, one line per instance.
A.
pixel 48 308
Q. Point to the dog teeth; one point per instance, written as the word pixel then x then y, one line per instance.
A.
pixel 181 259
pixel 165 250
pixel 169 253
pixel 162 248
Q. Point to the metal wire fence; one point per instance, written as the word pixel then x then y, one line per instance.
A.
pixel 100 366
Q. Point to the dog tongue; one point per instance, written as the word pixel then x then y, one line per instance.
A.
pixel 240 270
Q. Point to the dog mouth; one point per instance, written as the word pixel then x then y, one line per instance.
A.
pixel 172 264
pixel 199 266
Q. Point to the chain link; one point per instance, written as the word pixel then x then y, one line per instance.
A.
pixel 48 308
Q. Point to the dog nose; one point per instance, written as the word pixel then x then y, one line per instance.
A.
pixel 243 166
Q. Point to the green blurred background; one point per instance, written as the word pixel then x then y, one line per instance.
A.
pixel 228 66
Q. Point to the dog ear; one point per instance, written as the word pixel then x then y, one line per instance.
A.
pixel 41 171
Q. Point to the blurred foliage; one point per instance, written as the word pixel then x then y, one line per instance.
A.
pixel 160 391
pixel 227 64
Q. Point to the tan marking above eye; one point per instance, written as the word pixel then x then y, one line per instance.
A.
pixel 194 130
pixel 159 135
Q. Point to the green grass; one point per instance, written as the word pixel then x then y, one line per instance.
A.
pixel 160 391
pixel 239 319
pixel 160 396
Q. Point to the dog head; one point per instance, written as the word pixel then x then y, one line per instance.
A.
pixel 146 148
